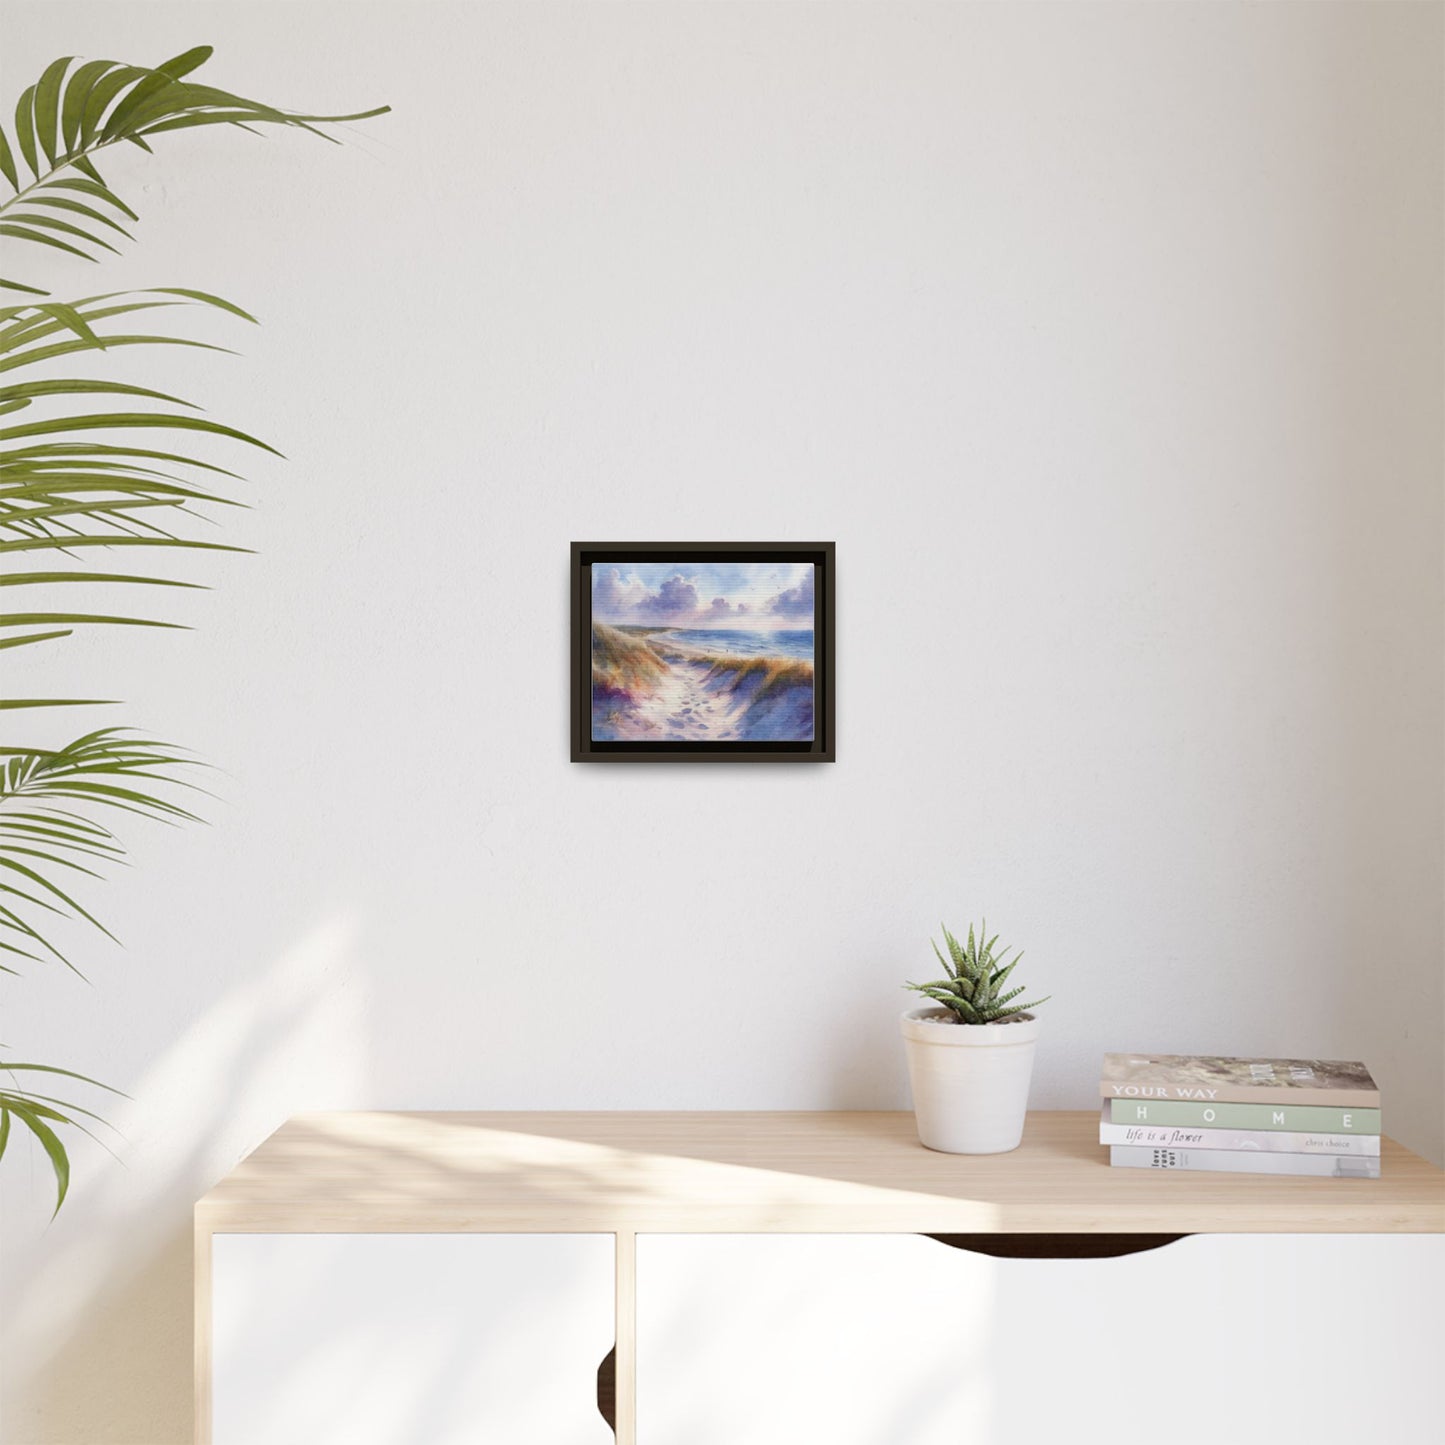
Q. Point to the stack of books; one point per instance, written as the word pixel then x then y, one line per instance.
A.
pixel 1241 1116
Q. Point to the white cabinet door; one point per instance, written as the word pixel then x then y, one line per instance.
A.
pixel 900 1340
pixel 410 1339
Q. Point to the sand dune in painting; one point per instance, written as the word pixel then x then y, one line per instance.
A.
pixel 649 685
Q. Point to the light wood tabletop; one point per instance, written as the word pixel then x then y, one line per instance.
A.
pixel 833 1172
pixel 637 1173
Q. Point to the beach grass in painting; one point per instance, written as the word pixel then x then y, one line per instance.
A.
pixel 702 652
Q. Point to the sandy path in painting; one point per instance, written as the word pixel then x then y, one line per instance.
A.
pixel 646 689
pixel 680 709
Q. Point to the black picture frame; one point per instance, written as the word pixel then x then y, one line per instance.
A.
pixel 822 748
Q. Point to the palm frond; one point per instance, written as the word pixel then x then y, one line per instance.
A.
pixel 74 111
pixel 64 491
pixel 41 1113
pixel 74 482
pixel 40 830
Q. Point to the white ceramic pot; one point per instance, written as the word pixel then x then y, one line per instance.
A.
pixel 970 1081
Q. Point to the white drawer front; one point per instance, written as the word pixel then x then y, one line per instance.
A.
pixel 399 1339
pixel 899 1340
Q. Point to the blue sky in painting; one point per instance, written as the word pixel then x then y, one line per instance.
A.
pixel 704 594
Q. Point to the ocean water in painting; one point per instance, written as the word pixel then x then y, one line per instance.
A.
pixel 797 643
pixel 714 652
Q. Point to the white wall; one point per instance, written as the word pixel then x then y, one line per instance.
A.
pixel 1104 340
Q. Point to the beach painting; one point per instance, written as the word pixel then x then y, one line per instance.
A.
pixel 718 651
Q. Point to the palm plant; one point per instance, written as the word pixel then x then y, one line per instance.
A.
pixel 974 987
pixel 75 484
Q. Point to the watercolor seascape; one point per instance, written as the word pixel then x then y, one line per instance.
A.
pixel 702 652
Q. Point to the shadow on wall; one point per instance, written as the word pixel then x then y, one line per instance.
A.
pixel 97 1335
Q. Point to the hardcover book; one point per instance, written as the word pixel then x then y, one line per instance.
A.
pixel 1260 1141
pixel 1241 1081
pixel 1229 1161
pixel 1300 1118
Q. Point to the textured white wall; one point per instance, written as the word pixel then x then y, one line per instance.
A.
pixel 1104 340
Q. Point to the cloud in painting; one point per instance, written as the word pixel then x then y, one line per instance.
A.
pixel 611 596
pixel 796 601
pixel 703 594
pixel 675 601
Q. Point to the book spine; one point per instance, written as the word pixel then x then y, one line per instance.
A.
pixel 1296 1118
pixel 1229 1161
pixel 1266 1141
pixel 1240 1094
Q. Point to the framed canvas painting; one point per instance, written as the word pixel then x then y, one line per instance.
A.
pixel 702 651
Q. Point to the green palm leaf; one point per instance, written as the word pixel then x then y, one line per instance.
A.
pixel 69 116
pixel 30 1114
pixel 71 481
pixel 62 491
pixel 40 1113
pixel 108 768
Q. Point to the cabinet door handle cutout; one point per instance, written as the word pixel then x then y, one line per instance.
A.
pixel 607 1389
pixel 1056 1246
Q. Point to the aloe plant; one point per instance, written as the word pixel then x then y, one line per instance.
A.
pixel 75 484
pixel 974 987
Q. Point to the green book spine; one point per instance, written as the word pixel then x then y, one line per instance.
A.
pixel 1307 1118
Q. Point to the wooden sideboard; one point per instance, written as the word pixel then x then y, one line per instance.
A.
pixel 606 1181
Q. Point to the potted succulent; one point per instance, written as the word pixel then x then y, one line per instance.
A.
pixel 970 1058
